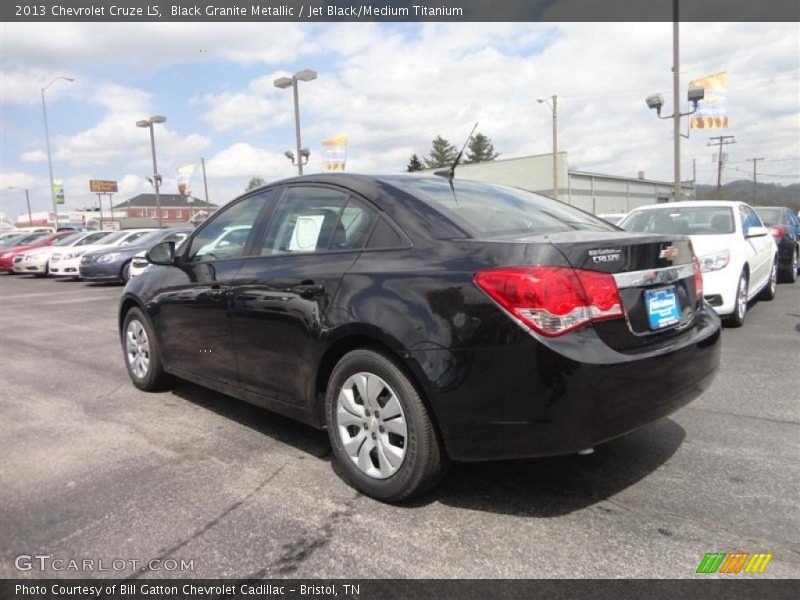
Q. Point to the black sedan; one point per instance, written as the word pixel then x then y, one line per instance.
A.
pixel 114 263
pixel 421 320
pixel 784 226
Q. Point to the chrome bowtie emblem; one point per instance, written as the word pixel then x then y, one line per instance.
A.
pixel 670 253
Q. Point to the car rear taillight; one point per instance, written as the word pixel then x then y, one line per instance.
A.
pixel 698 278
pixel 777 231
pixel 552 300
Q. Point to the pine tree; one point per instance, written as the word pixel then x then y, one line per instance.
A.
pixel 480 149
pixel 415 164
pixel 255 181
pixel 442 154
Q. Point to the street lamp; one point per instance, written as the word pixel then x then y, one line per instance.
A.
pixel 303 160
pixel 47 140
pixel 554 109
pixel 286 82
pixel 656 102
pixel 28 200
pixel 156 181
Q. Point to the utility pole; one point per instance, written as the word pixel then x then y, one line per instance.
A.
pixel 554 108
pixel 755 161
pixel 694 177
pixel 722 140
pixel 676 100
pixel 205 181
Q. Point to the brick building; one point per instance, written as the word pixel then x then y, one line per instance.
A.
pixel 174 207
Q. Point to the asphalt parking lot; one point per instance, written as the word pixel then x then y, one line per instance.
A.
pixel 92 468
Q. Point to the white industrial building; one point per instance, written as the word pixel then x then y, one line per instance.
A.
pixel 594 192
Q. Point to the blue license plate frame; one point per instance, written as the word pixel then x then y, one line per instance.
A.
pixel 663 307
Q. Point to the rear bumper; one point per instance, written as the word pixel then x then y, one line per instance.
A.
pixel 530 400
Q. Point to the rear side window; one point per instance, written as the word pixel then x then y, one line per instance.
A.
pixel 317 219
pixel 485 209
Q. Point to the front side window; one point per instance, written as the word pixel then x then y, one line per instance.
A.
pixel 226 235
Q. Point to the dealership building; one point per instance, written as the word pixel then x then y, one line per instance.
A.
pixel 594 192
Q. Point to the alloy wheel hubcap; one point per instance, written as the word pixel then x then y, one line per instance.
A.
pixel 773 277
pixel 371 425
pixel 137 348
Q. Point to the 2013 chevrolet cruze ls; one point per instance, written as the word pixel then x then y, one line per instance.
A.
pixel 422 320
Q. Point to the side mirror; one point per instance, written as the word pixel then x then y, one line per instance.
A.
pixel 161 254
pixel 756 232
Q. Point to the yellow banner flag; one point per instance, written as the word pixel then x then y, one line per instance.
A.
pixel 712 110
pixel 334 152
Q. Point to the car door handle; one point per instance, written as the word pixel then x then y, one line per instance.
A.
pixel 307 290
pixel 216 292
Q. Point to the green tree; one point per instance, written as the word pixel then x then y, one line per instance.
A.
pixel 415 164
pixel 255 181
pixel 442 154
pixel 480 149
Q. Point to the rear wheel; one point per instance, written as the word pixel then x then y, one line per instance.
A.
pixel 381 432
pixel 768 293
pixel 736 319
pixel 142 353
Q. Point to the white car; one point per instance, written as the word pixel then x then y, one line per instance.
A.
pixel 613 218
pixel 139 263
pixel 37 261
pixel 737 254
pixel 66 262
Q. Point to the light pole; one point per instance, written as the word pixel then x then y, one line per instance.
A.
pixel 49 156
pixel 554 109
pixel 148 123
pixel 28 200
pixel 286 82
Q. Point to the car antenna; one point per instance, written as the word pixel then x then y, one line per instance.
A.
pixel 452 171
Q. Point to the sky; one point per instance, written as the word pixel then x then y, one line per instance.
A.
pixel 391 87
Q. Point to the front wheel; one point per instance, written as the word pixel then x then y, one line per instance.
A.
pixel 736 319
pixel 125 274
pixel 382 435
pixel 142 353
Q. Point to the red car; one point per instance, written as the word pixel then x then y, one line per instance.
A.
pixel 34 240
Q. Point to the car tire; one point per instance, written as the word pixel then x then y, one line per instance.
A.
pixel 125 273
pixel 790 275
pixel 736 319
pixel 139 340
pixel 392 456
pixel 768 293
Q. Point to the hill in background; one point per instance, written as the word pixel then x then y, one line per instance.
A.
pixel 767 194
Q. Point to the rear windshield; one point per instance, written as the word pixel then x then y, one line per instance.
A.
pixel 487 209
pixel 771 216
pixel 700 220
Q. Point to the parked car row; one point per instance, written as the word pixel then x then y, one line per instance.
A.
pixel 90 255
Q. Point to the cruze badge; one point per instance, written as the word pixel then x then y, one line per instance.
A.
pixel 670 253
pixel 603 255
